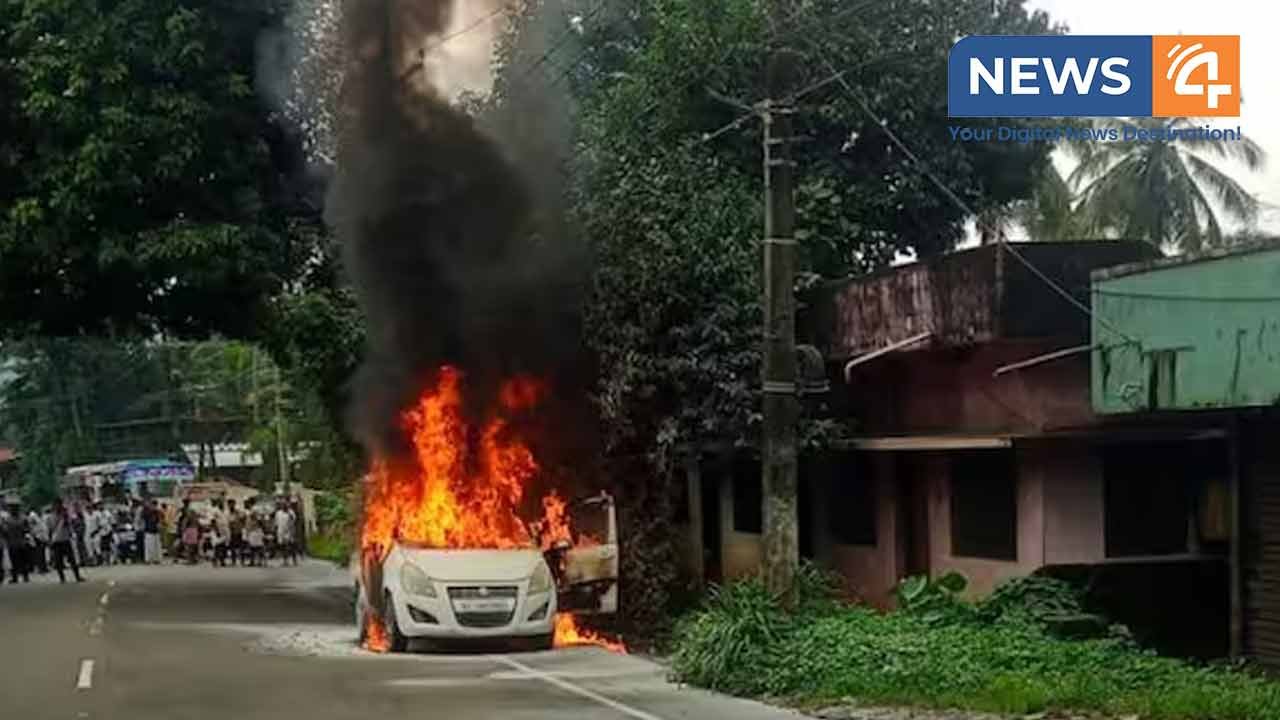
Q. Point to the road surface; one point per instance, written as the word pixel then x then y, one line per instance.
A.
pixel 180 643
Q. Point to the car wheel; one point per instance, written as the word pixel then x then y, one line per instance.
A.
pixel 545 642
pixel 399 643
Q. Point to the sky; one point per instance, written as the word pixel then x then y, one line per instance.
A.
pixel 1255 21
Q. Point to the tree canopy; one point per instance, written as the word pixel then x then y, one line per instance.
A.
pixel 1167 192
pixel 144 184
pixel 673 219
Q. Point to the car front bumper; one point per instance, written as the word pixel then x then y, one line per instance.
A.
pixel 419 616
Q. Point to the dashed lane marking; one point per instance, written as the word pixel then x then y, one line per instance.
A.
pixel 85 680
pixel 575 689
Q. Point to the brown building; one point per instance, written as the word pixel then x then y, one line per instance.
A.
pixel 966 383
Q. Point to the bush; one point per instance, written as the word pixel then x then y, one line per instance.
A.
pixel 335 548
pixel 990 658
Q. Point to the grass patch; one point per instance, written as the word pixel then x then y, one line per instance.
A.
pixel 332 547
pixel 995 658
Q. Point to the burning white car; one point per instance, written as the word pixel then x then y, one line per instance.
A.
pixel 412 592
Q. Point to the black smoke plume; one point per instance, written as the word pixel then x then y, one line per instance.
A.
pixel 438 231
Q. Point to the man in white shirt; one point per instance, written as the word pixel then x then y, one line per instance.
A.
pixel 40 534
pixel 91 536
pixel 284 522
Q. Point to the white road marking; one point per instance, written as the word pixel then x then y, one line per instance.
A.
pixel 95 628
pixel 85 681
pixel 104 599
pixel 111 583
pixel 576 690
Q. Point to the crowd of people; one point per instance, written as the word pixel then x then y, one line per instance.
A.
pixel 63 536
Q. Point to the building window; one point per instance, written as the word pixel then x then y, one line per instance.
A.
pixel 984 505
pixel 851 504
pixel 748 510
pixel 1148 500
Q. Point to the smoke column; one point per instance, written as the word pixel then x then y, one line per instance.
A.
pixel 436 226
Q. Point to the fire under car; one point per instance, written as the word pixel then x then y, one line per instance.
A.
pixel 431 597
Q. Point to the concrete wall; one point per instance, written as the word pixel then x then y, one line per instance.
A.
pixel 741 553
pixel 983 574
pixel 1061 520
pixel 954 391
pixel 1074 500
pixel 870 572
pixel 1206 334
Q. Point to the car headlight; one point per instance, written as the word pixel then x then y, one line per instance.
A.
pixel 415 581
pixel 540 582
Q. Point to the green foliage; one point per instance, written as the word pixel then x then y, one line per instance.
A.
pixel 1031 597
pixel 724 644
pixel 742 642
pixel 1167 193
pixel 934 600
pixel 71 402
pixel 334 512
pixel 335 548
pixel 673 222
pixel 143 184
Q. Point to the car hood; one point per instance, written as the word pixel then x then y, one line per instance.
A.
pixel 475 565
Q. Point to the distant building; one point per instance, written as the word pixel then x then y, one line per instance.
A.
pixel 975 447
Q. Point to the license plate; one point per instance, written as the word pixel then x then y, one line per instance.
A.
pixel 482 605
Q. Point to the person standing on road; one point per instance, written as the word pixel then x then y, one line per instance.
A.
pixel 284 533
pixel 139 533
pixel 257 538
pixel 235 525
pixel 89 546
pixel 189 531
pixel 61 534
pixel 221 525
pixel 40 542
pixel 76 515
pixel 14 530
pixel 151 533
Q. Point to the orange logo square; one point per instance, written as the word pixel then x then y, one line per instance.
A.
pixel 1195 75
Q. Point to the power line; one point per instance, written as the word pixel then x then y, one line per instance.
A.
pixel 458 33
pixel 883 123
pixel 1174 297
pixel 564 38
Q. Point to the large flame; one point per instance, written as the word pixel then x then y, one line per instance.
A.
pixel 464 487
pixel 568 634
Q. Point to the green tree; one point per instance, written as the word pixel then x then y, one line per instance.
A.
pixel 1166 192
pixel 673 220
pixel 145 185
pixel 1050 213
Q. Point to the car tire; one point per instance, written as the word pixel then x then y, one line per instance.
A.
pixel 544 642
pixel 399 643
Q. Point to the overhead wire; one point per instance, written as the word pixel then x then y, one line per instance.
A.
pixel 883 123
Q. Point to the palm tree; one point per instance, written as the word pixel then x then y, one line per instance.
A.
pixel 1050 212
pixel 1164 192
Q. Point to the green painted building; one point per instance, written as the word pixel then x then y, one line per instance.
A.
pixel 1194 341
pixel 1188 333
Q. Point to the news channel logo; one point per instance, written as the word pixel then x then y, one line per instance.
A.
pixel 1094 76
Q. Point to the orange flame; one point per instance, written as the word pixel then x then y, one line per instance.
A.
pixel 568 634
pixel 375 635
pixel 464 487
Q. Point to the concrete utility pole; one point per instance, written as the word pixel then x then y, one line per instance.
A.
pixel 781 406
pixel 282 454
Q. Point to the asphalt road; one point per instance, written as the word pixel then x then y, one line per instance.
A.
pixel 179 643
